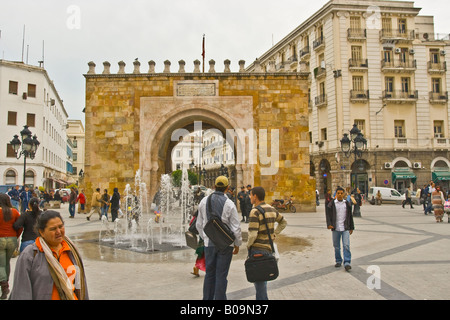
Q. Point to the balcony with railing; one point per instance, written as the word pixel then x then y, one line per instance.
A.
pixel 398 96
pixel 321 100
pixel 438 97
pixel 319 43
pixel 398 65
pixel 437 67
pixel 358 64
pixel 356 34
pixel 361 96
pixel 305 53
pixel 320 73
pixel 399 35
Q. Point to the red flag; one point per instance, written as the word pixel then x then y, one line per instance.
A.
pixel 203 47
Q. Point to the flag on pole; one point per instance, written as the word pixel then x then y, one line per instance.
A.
pixel 203 53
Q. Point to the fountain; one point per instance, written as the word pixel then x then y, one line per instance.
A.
pixel 144 228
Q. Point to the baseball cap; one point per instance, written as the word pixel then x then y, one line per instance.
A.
pixel 221 181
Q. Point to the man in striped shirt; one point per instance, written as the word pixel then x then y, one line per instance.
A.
pixel 258 238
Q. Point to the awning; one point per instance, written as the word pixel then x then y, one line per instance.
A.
pixel 441 175
pixel 404 176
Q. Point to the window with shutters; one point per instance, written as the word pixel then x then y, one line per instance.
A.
pixel 13 87
pixel 399 128
pixel 31 119
pixel 12 118
pixel 31 90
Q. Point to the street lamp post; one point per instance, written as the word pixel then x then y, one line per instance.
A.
pixel 356 145
pixel 29 147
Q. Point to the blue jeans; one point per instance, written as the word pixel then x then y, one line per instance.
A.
pixel 260 287
pixel 345 235
pixel 217 267
pixel 105 211
pixel 72 210
pixel 7 247
pixel 24 244
pixel 15 204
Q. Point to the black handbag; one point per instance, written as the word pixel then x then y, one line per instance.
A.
pixel 217 231
pixel 192 226
pixel 191 240
pixel 261 267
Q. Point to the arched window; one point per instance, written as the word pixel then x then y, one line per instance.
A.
pixel 10 177
pixel 29 178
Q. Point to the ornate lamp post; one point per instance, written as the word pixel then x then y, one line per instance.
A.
pixel 29 147
pixel 359 145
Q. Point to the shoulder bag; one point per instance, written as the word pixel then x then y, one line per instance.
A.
pixel 217 231
pixel 260 267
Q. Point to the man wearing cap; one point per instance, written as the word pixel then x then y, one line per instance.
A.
pixel 218 262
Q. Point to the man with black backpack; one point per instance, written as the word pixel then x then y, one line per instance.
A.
pixel 218 206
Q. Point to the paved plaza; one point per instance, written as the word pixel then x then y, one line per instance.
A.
pixel 396 254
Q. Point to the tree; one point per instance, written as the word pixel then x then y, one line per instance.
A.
pixel 177 174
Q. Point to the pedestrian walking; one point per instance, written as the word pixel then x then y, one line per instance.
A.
pixel 14 194
pixel 95 204
pixel 248 203
pixel 115 204
pixel 81 198
pixel 408 199
pixel 25 196
pixel 72 202
pixel 358 202
pixel 438 200
pixel 8 240
pixel 218 262
pixel 27 222
pixel 340 222
pixel 51 268
pixel 258 238
pixel 105 203
pixel 241 198
pixel 378 198
pixel 200 263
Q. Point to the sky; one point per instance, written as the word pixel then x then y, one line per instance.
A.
pixel 75 32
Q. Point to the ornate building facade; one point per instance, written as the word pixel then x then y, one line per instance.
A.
pixel 380 65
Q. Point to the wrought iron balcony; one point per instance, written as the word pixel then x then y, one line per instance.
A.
pixel 398 96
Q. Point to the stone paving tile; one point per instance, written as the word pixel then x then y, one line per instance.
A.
pixel 409 248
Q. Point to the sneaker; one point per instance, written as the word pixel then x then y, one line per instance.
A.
pixel 337 265
pixel 87 218
pixel 348 267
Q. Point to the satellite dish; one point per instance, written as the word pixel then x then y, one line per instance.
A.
pixel 425 36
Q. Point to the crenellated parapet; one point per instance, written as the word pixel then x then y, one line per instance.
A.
pixel 181 68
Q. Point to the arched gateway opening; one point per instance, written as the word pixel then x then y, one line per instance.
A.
pixel 159 143
pixel 134 120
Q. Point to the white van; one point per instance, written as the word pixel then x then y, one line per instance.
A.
pixel 388 195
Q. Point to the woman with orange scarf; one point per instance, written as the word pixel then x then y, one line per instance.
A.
pixel 51 268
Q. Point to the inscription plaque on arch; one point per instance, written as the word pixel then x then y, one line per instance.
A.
pixel 192 89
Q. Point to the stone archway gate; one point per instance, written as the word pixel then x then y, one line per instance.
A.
pixel 132 118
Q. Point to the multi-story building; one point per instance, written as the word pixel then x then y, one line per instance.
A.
pixel 29 97
pixel 380 65
pixel 76 136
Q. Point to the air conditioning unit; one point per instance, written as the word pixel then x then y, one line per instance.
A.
pixel 417 165
pixel 438 135
pixel 398 50
pixel 387 165
pixel 24 96
pixel 412 51
pixel 443 53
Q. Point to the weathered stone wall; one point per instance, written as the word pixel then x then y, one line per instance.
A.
pixel 130 118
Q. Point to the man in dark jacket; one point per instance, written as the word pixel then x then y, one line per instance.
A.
pixel 340 222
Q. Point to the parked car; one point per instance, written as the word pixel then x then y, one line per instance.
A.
pixel 388 195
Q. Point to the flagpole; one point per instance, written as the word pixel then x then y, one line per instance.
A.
pixel 203 52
